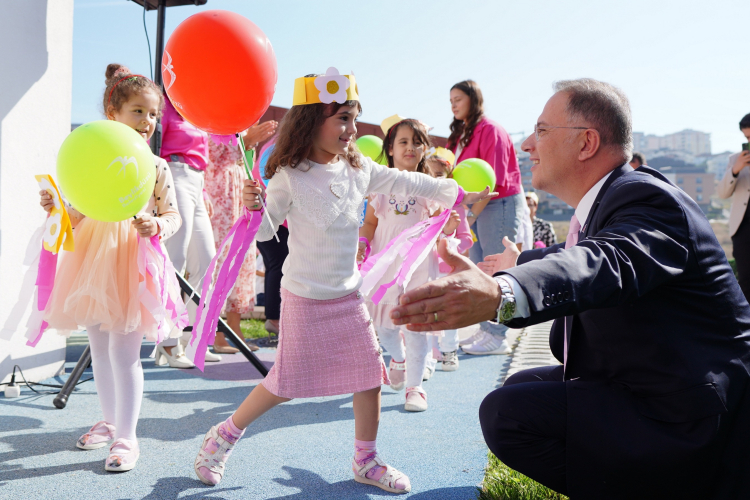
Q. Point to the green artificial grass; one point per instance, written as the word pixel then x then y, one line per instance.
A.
pixel 733 263
pixel 253 328
pixel 503 483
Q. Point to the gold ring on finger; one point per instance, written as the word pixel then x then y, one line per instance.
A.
pixel 436 318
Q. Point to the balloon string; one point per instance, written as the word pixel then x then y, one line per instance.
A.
pixel 248 162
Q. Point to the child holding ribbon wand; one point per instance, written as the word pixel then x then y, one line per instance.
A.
pixel 318 183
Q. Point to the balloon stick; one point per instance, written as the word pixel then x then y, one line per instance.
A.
pixel 248 156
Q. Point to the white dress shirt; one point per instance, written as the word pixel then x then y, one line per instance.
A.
pixel 582 214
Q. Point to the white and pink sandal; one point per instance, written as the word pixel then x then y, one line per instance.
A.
pixel 97 437
pixel 397 374
pixel 213 455
pixel 392 481
pixel 123 455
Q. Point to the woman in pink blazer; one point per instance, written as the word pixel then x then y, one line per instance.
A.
pixel 475 136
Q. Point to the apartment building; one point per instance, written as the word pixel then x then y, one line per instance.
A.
pixel 699 184
pixel 689 141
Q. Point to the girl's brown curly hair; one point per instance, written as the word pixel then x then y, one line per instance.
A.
pixel 419 132
pixel 116 94
pixel 296 132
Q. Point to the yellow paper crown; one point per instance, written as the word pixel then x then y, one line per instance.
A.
pixel 389 122
pixel 442 154
pixel 328 88
pixel 386 124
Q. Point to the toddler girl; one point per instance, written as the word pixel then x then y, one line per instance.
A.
pixel 440 165
pixel 388 215
pixel 97 286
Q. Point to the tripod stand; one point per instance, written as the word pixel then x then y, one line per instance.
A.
pixel 61 400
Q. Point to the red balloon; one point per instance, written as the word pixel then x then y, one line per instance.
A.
pixel 219 71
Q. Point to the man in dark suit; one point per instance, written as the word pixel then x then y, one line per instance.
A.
pixel 653 397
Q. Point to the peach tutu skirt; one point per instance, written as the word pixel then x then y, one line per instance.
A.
pixel 98 283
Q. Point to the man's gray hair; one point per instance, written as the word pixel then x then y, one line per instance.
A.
pixel 602 106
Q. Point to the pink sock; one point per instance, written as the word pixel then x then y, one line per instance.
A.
pixel 230 433
pixel 364 451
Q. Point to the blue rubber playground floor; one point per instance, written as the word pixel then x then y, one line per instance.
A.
pixel 300 450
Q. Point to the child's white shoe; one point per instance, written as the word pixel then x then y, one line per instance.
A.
pixel 416 399
pixel 212 457
pixel 175 360
pixel 97 437
pixel 123 455
pixel 450 361
pixel 397 374
pixel 392 481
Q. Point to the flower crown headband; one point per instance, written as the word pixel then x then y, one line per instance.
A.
pixel 328 88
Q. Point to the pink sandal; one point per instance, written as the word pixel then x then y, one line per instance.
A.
pixel 392 481
pixel 212 456
pixel 97 437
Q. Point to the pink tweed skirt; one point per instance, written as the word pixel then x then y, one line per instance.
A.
pixel 326 347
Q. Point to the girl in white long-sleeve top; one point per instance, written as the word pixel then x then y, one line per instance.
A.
pixel 327 345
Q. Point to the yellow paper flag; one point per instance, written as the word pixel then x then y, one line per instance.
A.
pixel 58 230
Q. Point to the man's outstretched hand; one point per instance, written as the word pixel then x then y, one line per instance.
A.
pixel 465 297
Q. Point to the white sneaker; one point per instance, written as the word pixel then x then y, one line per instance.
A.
pixel 487 344
pixel 450 361
pixel 470 340
pixel 428 371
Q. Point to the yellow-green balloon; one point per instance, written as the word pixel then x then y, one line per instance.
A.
pixel 106 170
pixel 372 146
pixel 474 174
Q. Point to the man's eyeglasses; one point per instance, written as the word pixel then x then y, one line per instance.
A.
pixel 538 129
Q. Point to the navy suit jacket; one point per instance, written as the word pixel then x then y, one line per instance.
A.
pixel 659 353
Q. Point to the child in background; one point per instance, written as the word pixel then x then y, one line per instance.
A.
pixel 327 346
pixel 440 165
pixel 97 286
pixel 388 215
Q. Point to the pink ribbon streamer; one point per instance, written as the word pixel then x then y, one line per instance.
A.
pixel 167 304
pixel 214 295
pixel 413 244
pixel 45 281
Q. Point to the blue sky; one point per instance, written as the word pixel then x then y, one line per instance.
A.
pixel 683 64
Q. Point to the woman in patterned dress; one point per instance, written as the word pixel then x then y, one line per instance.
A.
pixel 224 175
pixel 543 231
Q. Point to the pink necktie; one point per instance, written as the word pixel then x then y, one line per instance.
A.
pixel 575 228
pixel 572 239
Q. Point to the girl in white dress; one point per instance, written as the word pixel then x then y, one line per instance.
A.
pixel 388 215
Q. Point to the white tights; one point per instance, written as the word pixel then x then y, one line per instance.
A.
pixel 417 347
pixel 116 360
